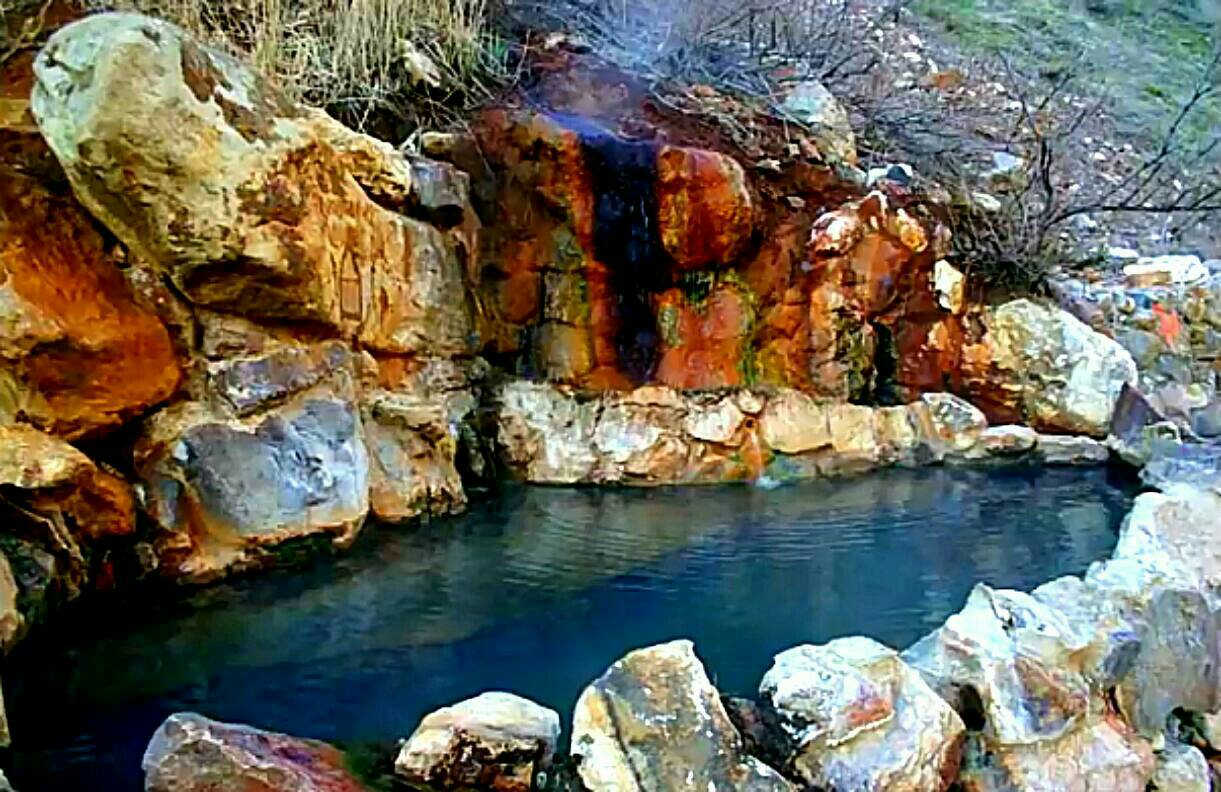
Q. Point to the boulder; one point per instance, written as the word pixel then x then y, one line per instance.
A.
pixel 223 491
pixel 704 209
pixel 1044 366
pixel 250 203
pixel 947 425
pixel 860 718
pixel 654 721
pixel 810 103
pixel 78 355
pixel 1181 768
pixel 59 505
pixel 495 741
pixel 190 753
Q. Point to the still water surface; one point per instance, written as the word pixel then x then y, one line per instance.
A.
pixel 536 591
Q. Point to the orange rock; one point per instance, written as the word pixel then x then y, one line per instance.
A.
pixel 704 345
pixel 79 356
pixel 704 210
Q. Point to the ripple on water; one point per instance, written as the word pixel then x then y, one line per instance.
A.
pixel 537 591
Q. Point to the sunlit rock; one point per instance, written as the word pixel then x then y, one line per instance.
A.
pixel 950 285
pixel 78 355
pixel 654 721
pixel 190 753
pixel 859 718
pixel 1044 367
pixel 946 424
pixel 546 434
pixel 1006 441
pixel 1015 659
pixel 249 203
pixel 495 741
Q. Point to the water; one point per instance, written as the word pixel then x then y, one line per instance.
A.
pixel 537 592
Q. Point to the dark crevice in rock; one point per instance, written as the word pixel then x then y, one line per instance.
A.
pixel 970 707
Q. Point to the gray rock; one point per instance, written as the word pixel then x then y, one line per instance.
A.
pixel 857 717
pixel 495 741
pixel 811 104
pixel 1206 421
pixel 1072 450
pixel 1181 768
pixel 654 722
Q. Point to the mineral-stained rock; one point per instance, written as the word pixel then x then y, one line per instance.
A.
pixel 224 490
pixel 654 722
pixel 704 208
pixel 251 204
pixel 77 354
pixel 1181 768
pixel 859 718
pixel 190 753
pixel 1044 365
pixel 495 741
pixel 58 504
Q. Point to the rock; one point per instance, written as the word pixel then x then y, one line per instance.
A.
pixel 1005 167
pixel 810 103
pixel 1004 441
pixel 946 424
pixel 1020 659
pixel 950 286
pixel 58 505
pixel 1165 270
pixel 224 491
pixel 78 356
pixel 546 434
pixel 413 449
pixel 495 741
pixel 1169 461
pixel 1044 365
pixel 1072 450
pixel 859 718
pixel 793 423
pixel 249 203
pixel 1206 421
pixel 1181 768
pixel 704 210
pixel 190 753
pixel 1101 754
pixel 654 721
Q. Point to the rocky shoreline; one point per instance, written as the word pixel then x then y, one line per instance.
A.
pixel 230 326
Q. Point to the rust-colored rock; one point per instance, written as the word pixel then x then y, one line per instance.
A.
pixel 704 208
pixel 77 354
pixel 705 343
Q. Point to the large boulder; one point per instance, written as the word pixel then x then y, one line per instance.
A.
pixel 78 355
pixel 495 741
pixel 654 722
pixel 190 753
pixel 251 204
pixel 860 718
pixel 223 490
pixel 1042 366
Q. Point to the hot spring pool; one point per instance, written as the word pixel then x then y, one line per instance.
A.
pixel 537 591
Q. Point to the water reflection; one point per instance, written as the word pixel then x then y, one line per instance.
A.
pixel 537 592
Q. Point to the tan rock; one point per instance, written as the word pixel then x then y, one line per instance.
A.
pixel 249 203
pixel 413 448
pixel 654 721
pixel 793 423
pixel 495 741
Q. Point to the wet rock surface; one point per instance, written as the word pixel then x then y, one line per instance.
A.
pixel 495 741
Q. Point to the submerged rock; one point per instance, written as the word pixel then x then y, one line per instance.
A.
pixel 859 718
pixel 495 741
pixel 251 204
pixel 654 721
pixel 190 753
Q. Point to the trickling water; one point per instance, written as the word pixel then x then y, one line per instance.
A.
pixel 536 592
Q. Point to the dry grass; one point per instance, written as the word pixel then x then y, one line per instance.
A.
pixel 382 63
